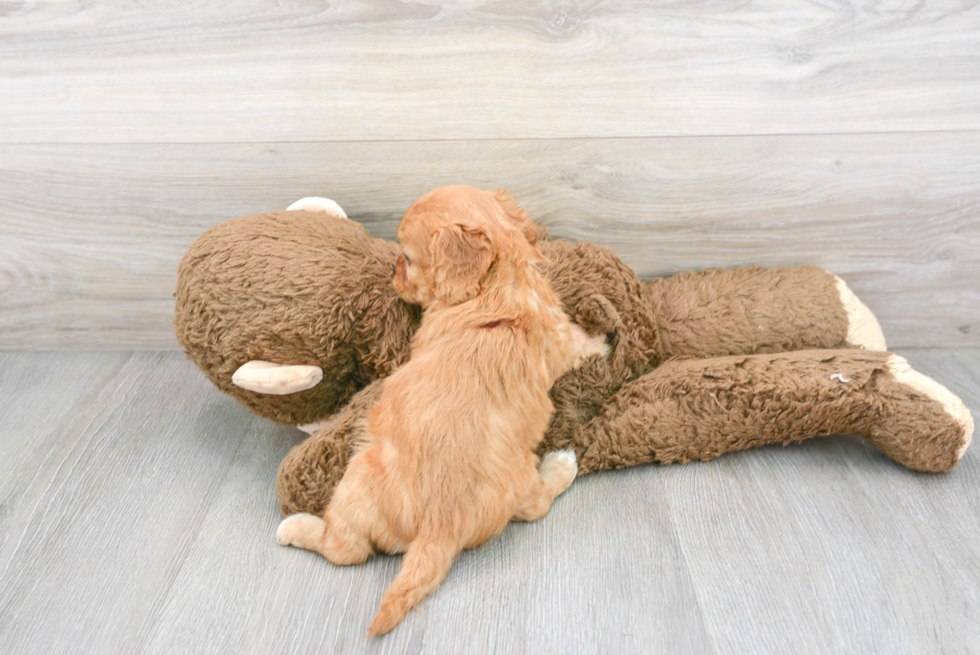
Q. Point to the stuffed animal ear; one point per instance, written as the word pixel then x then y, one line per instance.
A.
pixel 516 214
pixel 461 258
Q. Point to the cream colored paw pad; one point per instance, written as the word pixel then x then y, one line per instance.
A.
pixel 862 326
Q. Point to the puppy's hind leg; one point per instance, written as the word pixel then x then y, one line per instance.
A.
pixel 302 530
pixel 334 539
pixel 555 474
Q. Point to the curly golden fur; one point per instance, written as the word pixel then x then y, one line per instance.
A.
pixel 448 457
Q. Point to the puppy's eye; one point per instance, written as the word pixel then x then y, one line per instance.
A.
pixel 408 260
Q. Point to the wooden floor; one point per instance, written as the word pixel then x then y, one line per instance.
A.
pixel 137 513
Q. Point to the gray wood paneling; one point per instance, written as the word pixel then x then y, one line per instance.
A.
pixel 138 515
pixel 122 71
pixel 93 233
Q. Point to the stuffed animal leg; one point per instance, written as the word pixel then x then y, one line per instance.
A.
pixel 310 472
pixel 699 409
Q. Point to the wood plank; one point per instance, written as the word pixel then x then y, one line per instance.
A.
pixel 555 586
pixel 123 71
pixel 99 514
pixel 39 390
pixel 93 233
pixel 142 519
pixel 135 534
pixel 830 547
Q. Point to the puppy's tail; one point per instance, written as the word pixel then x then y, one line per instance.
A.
pixel 424 567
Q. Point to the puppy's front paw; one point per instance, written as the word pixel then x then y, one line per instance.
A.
pixel 599 346
pixel 559 468
pixel 584 346
pixel 591 347
pixel 300 530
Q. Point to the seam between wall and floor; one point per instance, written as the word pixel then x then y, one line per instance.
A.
pixel 753 135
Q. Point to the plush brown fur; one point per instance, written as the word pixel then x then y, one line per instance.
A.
pixel 293 288
pixel 447 458
pixel 699 409
pixel 706 313
pixel 308 288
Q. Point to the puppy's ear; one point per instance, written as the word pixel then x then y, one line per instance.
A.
pixel 460 259
pixel 518 215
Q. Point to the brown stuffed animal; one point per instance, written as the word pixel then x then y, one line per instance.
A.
pixel 293 314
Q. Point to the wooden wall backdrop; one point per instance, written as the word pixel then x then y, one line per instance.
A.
pixel 843 134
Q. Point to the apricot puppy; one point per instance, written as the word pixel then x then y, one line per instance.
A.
pixel 447 457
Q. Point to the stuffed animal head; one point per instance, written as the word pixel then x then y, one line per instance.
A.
pixel 296 288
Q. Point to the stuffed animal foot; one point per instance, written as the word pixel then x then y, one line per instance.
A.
pixel 699 409
pixel 922 425
pixel 312 470
pixel 310 428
